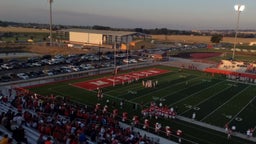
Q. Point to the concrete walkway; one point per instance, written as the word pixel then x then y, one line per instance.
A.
pixel 219 129
pixel 152 136
pixel 17 55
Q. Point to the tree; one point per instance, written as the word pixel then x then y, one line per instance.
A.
pixel 138 30
pixel 216 38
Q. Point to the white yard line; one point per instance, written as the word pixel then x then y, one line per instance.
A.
pixel 194 94
pixel 242 109
pixel 224 103
pixel 205 100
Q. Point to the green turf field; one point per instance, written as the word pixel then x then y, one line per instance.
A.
pixel 215 101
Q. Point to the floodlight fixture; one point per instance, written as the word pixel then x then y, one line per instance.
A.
pixel 239 8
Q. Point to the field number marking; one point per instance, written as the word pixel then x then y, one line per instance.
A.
pixel 236 119
pixel 191 107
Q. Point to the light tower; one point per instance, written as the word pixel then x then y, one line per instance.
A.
pixel 239 8
pixel 50 2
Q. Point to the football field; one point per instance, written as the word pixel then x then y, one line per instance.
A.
pixel 214 99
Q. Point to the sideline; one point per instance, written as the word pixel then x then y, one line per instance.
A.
pixel 219 129
pixel 157 138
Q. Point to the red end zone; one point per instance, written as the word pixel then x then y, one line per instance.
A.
pixel 118 79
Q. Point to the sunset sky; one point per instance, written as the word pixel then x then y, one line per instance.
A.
pixel 171 14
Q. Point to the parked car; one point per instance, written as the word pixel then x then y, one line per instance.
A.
pixel 23 76
pixel 1 60
pixel 36 64
pixel 133 61
pixel 7 66
pixel 5 78
pixel 46 57
pixel 48 72
pixel 126 61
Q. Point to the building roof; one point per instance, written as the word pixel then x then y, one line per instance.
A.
pixel 104 32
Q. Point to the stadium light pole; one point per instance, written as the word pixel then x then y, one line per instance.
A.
pixel 115 67
pixel 115 56
pixel 99 55
pixel 239 8
pixel 50 2
pixel 127 54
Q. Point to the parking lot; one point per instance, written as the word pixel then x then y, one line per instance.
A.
pixel 16 68
pixel 47 65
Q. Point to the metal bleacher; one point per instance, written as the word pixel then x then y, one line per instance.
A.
pixel 31 134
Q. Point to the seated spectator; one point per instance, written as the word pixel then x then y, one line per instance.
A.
pixel 48 141
pixel 66 122
pixel 82 138
pixel 19 135
pixel 40 139
pixel 4 140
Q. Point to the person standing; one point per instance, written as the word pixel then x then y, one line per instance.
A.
pixel 193 116
pixel 168 131
pixel 146 124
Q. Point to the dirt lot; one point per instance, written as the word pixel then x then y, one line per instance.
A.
pixel 23 30
pixel 54 50
pixel 43 50
pixel 199 39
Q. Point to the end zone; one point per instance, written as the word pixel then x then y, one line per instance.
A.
pixel 118 79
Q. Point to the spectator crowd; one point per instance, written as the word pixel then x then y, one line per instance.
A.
pixel 58 120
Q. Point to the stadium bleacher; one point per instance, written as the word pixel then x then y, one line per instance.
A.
pixel 233 66
pixel 90 123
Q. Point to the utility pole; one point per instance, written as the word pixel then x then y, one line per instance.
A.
pixel 50 2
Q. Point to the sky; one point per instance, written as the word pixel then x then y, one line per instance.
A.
pixel 171 14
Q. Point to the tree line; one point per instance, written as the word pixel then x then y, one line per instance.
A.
pixel 155 31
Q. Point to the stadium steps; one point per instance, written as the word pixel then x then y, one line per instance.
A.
pixel 32 134
pixel 5 108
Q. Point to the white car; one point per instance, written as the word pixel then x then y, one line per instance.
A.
pixel 7 66
pixel 126 61
pixel 142 59
pixel 22 76
pixel 36 64
pixel 86 66
pixel 133 61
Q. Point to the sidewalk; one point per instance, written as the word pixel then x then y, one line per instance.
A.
pixel 17 55
pixel 156 138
